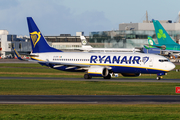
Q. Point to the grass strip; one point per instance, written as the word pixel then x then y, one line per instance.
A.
pixel 62 87
pixel 36 70
pixel 90 111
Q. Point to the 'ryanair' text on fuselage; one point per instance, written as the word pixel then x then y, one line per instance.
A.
pixel 117 59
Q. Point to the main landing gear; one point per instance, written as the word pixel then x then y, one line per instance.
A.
pixel 107 77
pixel 87 76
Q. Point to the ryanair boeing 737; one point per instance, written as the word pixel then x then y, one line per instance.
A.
pixel 95 64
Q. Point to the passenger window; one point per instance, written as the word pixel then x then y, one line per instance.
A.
pixel 165 60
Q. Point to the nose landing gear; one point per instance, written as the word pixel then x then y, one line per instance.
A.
pixel 159 75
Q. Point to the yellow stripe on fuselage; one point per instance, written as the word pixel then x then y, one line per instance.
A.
pixel 112 65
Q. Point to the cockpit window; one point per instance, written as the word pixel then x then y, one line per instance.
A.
pixel 163 60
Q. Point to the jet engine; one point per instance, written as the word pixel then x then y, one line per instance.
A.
pixel 98 71
pixel 163 47
pixel 131 74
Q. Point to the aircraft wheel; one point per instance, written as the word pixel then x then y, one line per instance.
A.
pixel 108 77
pixel 158 78
pixel 87 76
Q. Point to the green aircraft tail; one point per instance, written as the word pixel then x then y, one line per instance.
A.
pixel 162 36
pixel 151 43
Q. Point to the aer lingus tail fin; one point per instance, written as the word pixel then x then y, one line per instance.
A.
pixel 162 36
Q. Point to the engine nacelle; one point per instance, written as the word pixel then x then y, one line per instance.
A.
pixel 98 71
pixel 131 74
pixel 163 47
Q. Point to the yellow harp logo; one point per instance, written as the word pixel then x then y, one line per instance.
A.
pixel 35 36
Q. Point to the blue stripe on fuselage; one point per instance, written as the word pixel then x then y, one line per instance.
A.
pixel 119 69
pixel 124 69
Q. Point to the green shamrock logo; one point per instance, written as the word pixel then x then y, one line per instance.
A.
pixel 161 34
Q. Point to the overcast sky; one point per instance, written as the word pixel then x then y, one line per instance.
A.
pixel 55 17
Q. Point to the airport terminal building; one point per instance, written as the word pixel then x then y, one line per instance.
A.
pixel 20 43
pixel 66 41
pixel 132 35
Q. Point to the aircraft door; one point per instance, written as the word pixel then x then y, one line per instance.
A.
pixel 47 58
pixel 151 62
pixel 165 64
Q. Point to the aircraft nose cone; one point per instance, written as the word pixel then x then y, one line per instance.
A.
pixel 171 66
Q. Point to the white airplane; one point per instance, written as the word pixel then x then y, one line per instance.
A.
pixel 95 64
pixel 86 47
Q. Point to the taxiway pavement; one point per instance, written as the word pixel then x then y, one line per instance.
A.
pixel 89 99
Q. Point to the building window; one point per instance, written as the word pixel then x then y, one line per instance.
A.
pixel 20 45
pixel 10 45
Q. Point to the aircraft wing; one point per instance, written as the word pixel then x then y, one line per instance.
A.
pixel 63 64
pixel 177 51
pixel 68 66
pixel 152 46
pixel 160 48
pixel 75 66
pixel 111 49
pixel 163 47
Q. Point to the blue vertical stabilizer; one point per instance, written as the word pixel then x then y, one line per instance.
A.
pixel 38 42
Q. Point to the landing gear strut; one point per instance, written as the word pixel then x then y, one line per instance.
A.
pixel 159 75
pixel 87 76
pixel 108 77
